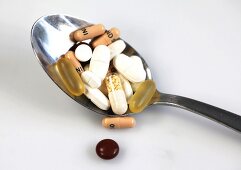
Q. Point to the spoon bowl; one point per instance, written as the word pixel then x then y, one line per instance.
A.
pixel 50 40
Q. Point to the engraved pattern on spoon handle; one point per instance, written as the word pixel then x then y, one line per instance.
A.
pixel 221 116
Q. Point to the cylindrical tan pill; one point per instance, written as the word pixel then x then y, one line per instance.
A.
pixel 118 122
pixel 71 56
pixel 88 32
pixel 107 38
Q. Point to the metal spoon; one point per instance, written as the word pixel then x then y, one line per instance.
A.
pixel 50 40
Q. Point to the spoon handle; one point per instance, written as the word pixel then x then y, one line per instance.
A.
pixel 221 116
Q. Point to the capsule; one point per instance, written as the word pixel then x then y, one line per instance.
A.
pixel 87 32
pixel 130 67
pixel 100 61
pixel 118 122
pixel 116 94
pixel 142 96
pixel 107 38
pixel 70 77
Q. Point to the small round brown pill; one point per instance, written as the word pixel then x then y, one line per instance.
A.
pixel 107 149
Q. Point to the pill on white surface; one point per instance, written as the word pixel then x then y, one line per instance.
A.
pixel 116 48
pixel 83 52
pixel 130 67
pixel 99 63
pixel 97 97
pixel 126 86
pixel 116 94
pixel 91 79
pixel 118 122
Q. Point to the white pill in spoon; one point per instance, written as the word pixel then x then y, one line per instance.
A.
pixel 97 97
pixel 83 52
pixel 99 63
pixel 91 79
pixel 130 67
pixel 116 48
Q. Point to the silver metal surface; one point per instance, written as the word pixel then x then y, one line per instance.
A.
pixel 50 40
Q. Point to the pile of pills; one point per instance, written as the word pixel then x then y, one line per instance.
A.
pixel 110 78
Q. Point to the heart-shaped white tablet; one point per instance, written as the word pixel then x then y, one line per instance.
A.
pixel 130 67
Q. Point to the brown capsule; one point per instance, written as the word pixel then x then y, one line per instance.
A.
pixel 71 56
pixel 88 32
pixel 107 38
pixel 118 122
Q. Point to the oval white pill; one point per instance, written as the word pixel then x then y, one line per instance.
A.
pixel 130 68
pixel 97 97
pixel 83 52
pixel 118 102
pixel 100 61
pixel 92 80
pixel 126 86
pixel 116 48
pixel 137 60
pixel 116 94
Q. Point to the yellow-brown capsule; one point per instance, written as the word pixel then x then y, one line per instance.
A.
pixel 87 32
pixel 142 96
pixel 107 38
pixel 69 76
pixel 118 122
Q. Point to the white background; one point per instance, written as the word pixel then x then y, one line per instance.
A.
pixel 193 49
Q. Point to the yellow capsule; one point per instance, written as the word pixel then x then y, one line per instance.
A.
pixel 70 77
pixel 142 96
pixel 118 122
